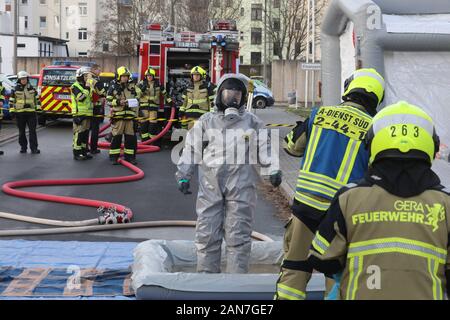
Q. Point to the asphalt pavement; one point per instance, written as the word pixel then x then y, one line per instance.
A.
pixel 154 198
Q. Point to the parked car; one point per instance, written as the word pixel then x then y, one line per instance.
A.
pixel 262 95
pixel 9 86
pixel 34 79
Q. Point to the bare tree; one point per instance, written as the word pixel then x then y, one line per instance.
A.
pixel 195 14
pixel 122 23
pixel 287 27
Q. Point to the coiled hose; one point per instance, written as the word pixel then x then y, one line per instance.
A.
pixel 90 225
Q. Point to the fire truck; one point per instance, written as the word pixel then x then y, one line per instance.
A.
pixel 172 54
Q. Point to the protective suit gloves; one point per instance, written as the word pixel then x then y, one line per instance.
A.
pixel 183 186
pixel 276 178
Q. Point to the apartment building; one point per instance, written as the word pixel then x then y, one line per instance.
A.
pixel 256 46
pixel 70 20
pixel 252 33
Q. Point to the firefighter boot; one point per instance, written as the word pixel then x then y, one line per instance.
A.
pixel 78 155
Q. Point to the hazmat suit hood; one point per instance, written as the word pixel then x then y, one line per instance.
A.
pixel 225 82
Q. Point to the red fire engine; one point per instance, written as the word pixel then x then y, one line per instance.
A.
pixel 172 54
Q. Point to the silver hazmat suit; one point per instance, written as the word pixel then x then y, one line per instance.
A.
pixel 227 194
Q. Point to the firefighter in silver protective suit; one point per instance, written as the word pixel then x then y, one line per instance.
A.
pixel 226 143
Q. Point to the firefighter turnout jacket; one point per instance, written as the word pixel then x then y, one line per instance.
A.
pixel 386 246
pixel 98 92
pixel 24 99
pixel 119 92
pixel 150 95
pixel 331 143
pixel 198 99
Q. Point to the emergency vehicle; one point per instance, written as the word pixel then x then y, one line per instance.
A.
pixel 54 87
pixel 172 54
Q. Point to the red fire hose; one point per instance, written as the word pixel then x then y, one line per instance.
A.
pixel 11 187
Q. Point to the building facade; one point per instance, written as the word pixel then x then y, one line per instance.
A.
pixel 252 37
pixel 71 20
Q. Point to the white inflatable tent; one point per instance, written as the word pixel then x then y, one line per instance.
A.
pixel 407 41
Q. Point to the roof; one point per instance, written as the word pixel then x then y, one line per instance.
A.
pixel 41 38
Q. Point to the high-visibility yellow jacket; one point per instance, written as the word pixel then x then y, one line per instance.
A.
pixel 81 100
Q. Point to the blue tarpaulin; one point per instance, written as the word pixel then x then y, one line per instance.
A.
pixel 65 269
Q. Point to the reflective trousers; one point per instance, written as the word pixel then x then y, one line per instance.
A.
pixel 125 128
pixel 81 137
pixel 149 126
pixel 295 271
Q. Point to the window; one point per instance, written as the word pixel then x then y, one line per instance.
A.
pixel 25 2
pixel 276 48
pixel 82 34
pixel 242 12
pixel 105 47
pixel 43 22
pixel 256 36
pixel 298 25
pixel 67 11
pixel 56 21
pixel 276 4
pixel 43 1
pixel 25 22
pixel 255 57
pixel 59 77
pixel 67 35
pixel 21 45
pixel 257 12
pixel 276 24
pixel 83 9
pixel 155 48
pixel 242 35
pixel 82 54
pixel 241 59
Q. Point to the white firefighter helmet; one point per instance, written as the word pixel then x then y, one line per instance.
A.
pixel 82 71
pixel 22 74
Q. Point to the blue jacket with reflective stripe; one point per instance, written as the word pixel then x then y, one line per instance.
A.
pixel 335 153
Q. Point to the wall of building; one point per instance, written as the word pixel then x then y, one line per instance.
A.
pixel 288 76
pixel 7 42
pixel 63 21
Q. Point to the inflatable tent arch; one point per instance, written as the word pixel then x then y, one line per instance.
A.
pixel 407 41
